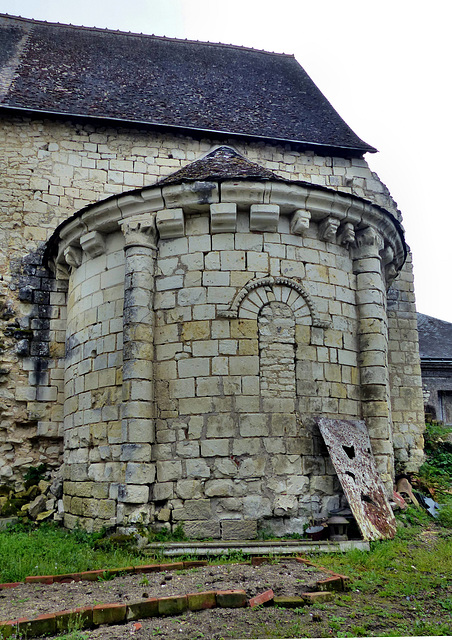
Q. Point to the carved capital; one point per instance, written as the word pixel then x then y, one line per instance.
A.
pixel 328 229
pixel 140 231
pixel 300 222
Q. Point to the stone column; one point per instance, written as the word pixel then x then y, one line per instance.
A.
pixel 138 413
pixel 373 349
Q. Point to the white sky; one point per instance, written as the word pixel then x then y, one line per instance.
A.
pixel 385 67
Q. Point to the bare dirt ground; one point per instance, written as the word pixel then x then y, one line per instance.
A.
pixel 285 578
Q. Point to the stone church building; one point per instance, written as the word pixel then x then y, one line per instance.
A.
pixel 195 262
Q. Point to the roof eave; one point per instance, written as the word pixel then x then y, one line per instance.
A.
pixel 324 149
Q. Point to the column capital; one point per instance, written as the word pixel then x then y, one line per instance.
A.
pixel 140 231
pixel 369 243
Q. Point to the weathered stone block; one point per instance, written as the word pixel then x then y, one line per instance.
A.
pixel 200 529
pixel 238 529
pixel 194 510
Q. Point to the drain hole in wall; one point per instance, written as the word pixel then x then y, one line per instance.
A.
pixel 93 353
pixel 350 451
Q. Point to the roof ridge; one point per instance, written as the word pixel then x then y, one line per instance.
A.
pixel 145 35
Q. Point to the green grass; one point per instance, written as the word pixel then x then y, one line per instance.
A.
pixel 50 550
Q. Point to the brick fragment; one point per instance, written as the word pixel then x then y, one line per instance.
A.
pixel 316 597
pixel 256 561
pixel 92 575
pixel 231 598
pixel 201 600
pixel 334 583
pixel 262 598
pixel 9 585
pixel 39 579
pixel 289 602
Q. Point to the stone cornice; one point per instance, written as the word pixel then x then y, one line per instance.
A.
pixel 340 216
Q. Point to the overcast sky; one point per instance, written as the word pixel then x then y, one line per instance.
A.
pixel 385 67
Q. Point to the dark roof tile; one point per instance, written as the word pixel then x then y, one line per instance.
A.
pixel 166 82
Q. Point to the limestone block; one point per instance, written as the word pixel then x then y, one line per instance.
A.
pixel 286 464
pixel 140 473
pixel 226 467
pixel 220 426
pixel 214 448
pixel 188 489
pixel 223 217
pixel 285 505
pixel 168 470
pixel 187 449
pixel 219 488
pixel 264 217
pixel 135 452
pixel 162 491
pixel 238 529
pixel 248 446
pixel 202 529
pixel 197 468
pixel 256 506
pixel 244 365
pixel 193 510
pixel 252 467
pixel 253 424
pixel 170 224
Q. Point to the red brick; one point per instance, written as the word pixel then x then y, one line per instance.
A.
pixel 258 560
pixel 82 616
pixel 92 575
pixel 41 579
pixel 189 564
pixel 42 625
pixel 201 600
pixel 143 609
pixel 334 583
pixel 289 602
pixel 172 605
pixel 13 628
pixel 147 568
pixel 173 566
pixel 109 613
pixel 316 597
pixel 261 598
pixel 231 598
pixel 10 585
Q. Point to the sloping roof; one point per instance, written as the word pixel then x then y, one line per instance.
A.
pixel 435 338
pixel 220 164
pixel 136 78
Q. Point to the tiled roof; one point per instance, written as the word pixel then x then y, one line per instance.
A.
pixel 220 164
pixel 435 338
pixel 163 82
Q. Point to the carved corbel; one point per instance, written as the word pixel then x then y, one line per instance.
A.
pixel 93 243
pixel 300 222
pixel 73 257
pixel 140 231
pixel 346 236
pixel 328 229
pixel 170 223
pixel 264 217
pixel 223 217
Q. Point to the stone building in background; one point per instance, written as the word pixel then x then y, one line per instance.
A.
pixel 195 262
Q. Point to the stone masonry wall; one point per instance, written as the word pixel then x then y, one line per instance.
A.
pixel 405 372
pixel 50 170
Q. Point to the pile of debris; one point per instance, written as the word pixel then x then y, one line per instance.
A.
pixel 39 502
